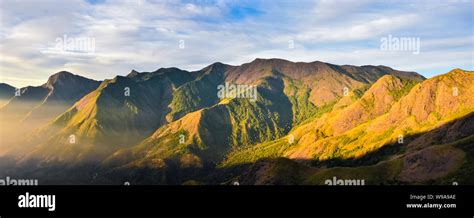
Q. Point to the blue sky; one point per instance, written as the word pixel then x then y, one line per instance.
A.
pixel 146 35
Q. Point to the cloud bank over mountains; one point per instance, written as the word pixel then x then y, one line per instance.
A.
pixel 147 35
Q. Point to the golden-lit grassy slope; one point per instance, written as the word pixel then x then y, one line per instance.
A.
pixel 389 108
pixel 438 164
pixel 427 105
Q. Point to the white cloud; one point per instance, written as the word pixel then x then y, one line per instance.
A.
pixel 366 30
pixel 145 35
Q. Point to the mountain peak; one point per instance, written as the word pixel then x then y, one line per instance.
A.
pixel 216 66
pixel 163 69
pixel 378 66
pixel 219 65
pixel 455 74
pixel 61 74
pixel 67 87
pixel 386 78
pixel 457 71
pixel 279 61
pixel 386 85
pixel 271 61
pixel 59 77
pixel 133 73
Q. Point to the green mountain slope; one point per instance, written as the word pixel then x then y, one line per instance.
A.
pixel 211 132
pixel 326 81
pixel 199 93
pixel 434 118
pixel 349 112
pixel 318 82
pixel 118 113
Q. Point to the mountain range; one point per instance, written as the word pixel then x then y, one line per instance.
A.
pixel 310 122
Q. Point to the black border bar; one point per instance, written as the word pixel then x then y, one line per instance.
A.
pixel 222 201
